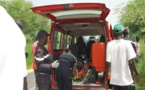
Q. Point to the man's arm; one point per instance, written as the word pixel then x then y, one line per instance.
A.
pixel 40 62
pixel 40 57
pixel 74 73
pixel 133 68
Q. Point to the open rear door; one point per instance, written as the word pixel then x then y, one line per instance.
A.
pixel 73 11
pixel 64 15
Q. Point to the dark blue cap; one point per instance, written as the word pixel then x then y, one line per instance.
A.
pixel 42 33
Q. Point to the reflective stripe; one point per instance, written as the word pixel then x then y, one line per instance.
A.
pixel 46 56
pixel 39 59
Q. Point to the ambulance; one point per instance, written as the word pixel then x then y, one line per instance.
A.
pixel 68 22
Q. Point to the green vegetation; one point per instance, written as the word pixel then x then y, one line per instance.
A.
pixel 21 10
pixel 30 56
pixel 133 16
pixel 141 67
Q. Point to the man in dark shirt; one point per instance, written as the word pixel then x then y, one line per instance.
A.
pixel 126 37
pixel 82 48
pixel 63 72
pixel 89 46
pixel 126 34
pixel 43 62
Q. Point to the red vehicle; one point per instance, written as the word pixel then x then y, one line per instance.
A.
pixel 78 19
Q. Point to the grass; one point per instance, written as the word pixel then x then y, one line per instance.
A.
pixel 30 56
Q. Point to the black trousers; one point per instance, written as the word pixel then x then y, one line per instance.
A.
pixel 115 87
pixel 43 81
pixel 63 76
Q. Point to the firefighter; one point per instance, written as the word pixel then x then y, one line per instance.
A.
pixel 43 62
pixel 63 72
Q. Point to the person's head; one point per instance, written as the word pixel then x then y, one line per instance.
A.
pixel 80 39
pixel 118 31
pixel 126 31
pixel 137 39
pixel 20 24
pixel 73 50
pixel 43 36
pixel 102 38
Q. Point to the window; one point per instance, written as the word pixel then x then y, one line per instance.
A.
pixel 57 41
pixel 67 41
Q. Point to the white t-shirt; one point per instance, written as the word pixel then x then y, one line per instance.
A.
pixel 12 53
pixel 119 52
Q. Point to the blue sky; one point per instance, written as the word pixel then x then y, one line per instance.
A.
pixel 111 4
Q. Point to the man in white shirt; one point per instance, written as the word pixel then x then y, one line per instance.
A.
pixel 119 57
pixel 12 53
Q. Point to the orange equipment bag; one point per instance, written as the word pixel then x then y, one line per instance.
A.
pixel 99 56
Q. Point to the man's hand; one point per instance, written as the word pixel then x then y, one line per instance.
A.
pixel 137 78
pixel 132 65
pixel 106 84
pixel 74 71
pixel 55 64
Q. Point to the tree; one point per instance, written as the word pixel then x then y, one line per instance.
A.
pixel 21 10
pixel 133 16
